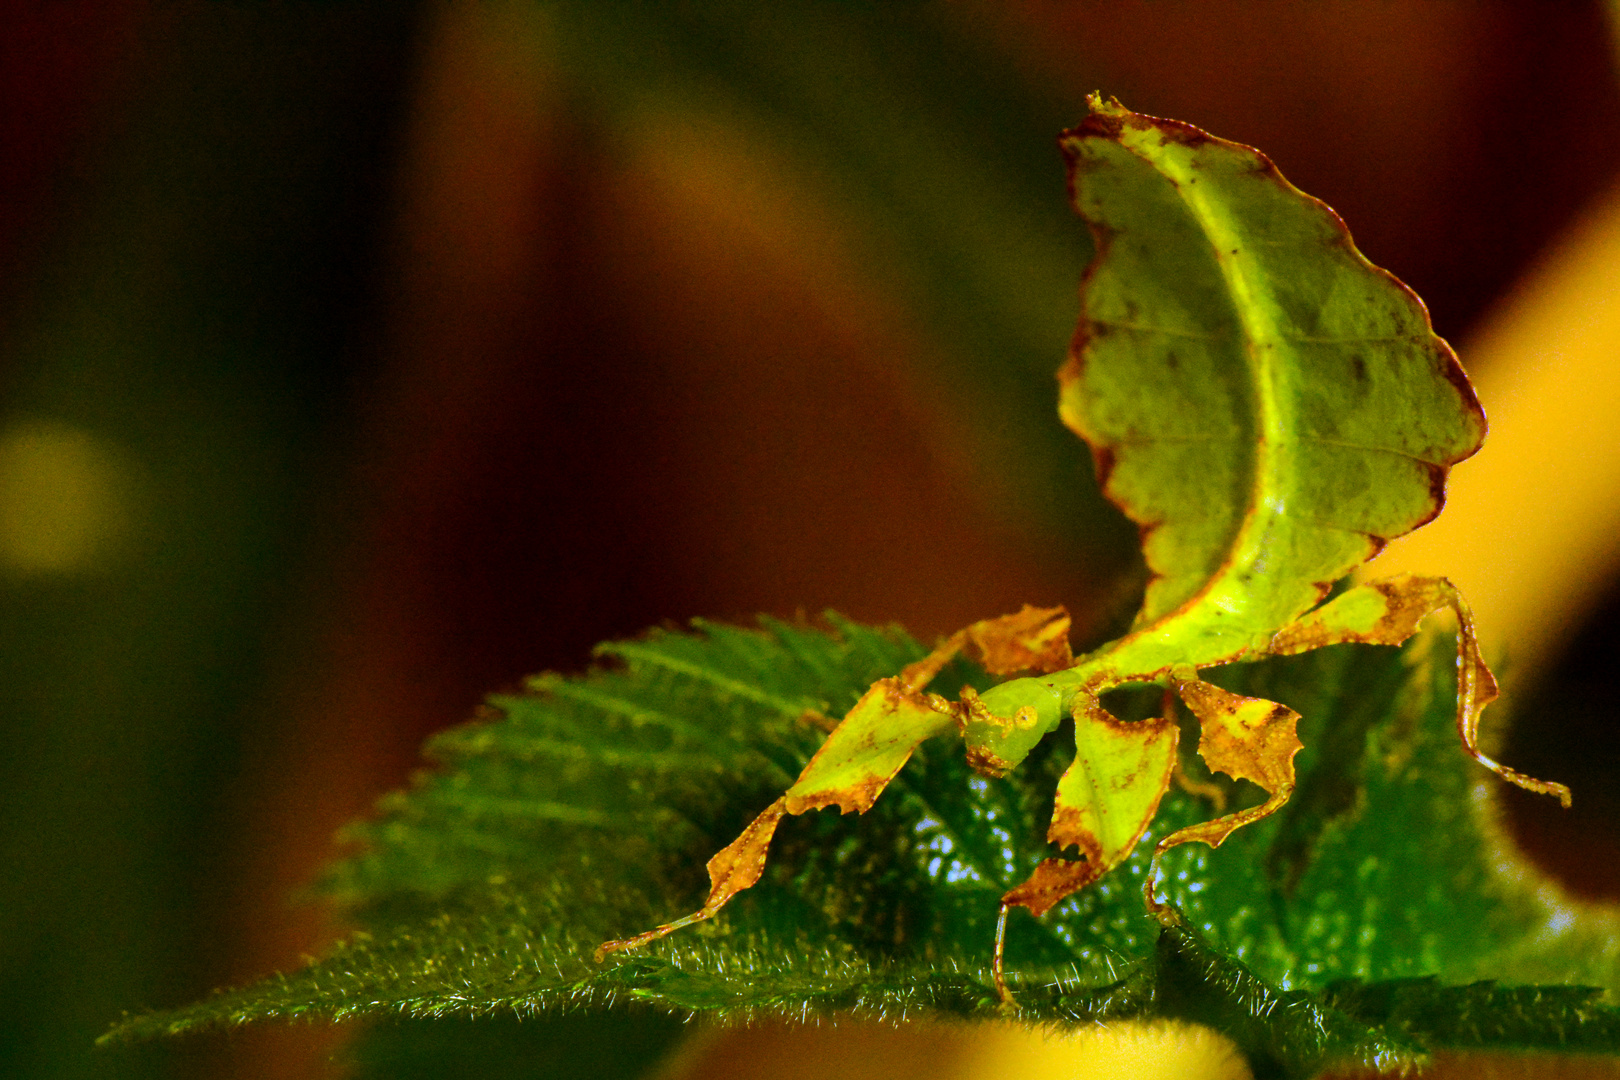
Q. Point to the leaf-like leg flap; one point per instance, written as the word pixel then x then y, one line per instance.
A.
pixel 1387 612
pixel 862 755
pixel 1105 801
pixel 1033 639
pixel 850 770
pixel 1247 739
pixel 733 869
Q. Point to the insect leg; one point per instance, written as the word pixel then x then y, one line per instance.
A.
pixel 995 965
pixel 1387 612
pixel 733 869
pixel 850 770
pixel 1105 802
pixel 1246 738
pixel 1033 639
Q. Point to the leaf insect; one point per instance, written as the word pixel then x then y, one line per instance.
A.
pixel 1271 409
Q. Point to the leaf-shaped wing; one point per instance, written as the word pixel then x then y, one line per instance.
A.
pixel 1268 405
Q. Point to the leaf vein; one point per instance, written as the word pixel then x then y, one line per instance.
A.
pixel 641 652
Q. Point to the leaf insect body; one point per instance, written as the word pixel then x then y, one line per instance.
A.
pixel 1312 391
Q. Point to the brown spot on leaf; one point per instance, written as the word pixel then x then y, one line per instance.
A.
pixel 1102 240
pixel 1267 169
pixel 1174 131
pixel 1404 608
pixel 1095 126
pixel 1451 370
pixel 1437 493
pixel 1403 603
pixel 1074 367
pixel 857 797
pixel 1068 830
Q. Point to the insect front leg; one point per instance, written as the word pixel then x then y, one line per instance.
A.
pixel 871 744
pixel 850 770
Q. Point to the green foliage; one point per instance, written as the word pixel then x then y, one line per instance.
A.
pixel 1337 930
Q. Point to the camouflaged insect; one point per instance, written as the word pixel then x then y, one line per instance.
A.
pixel 1271 409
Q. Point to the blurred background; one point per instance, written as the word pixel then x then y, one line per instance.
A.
pixel 358 359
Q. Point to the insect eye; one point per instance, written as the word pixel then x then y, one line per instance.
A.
pixel 1011 698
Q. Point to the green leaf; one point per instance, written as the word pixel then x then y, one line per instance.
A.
pixel 482 896
pixel 1571 1019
